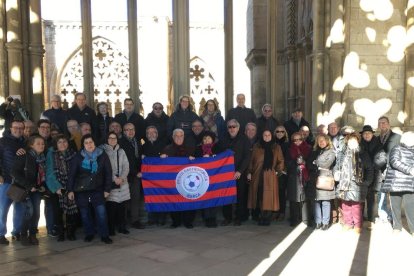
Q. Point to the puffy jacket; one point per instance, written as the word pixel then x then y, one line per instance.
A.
pixel 398 178
pixel 8 147
pixel 160 123
pixel 24 171
pixel 183 119
pixel 117 157
pixel 321 162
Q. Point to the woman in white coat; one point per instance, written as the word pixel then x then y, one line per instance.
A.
pixel 115 203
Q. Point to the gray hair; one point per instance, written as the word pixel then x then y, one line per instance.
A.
pixel 251 124
pixel 266 105
pixel 177 130
pixel 233 121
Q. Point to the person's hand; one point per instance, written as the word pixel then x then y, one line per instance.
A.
pixel 118 181
pixel 237 175
pixel 249 177
pixel 191 157
pixel 163 155
pixel 33 189
pixel 139 175
pixel 1 180
pixel 71 196
pixel 20 152
pixel 206 155
pixel 106 194
pixel 59 192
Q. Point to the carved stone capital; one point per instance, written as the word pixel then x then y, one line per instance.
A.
pixel 256 57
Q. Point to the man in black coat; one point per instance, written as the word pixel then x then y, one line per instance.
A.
pixel 388 139
pixel 296 122
pixel 132 147
pixel 241 113
pixel 128 115
pixel 236 141
pixel 56 115
pixel 159 119
pixel 266 121
pixel 10 143
pixel 82 113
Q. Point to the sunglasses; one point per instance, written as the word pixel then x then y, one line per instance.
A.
pixel 280 131
pixel 231 127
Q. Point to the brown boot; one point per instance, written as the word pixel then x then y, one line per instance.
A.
pixel 33 240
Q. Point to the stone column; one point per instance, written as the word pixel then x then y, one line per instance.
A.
pixel 292 93
pixel 318 59
pixel 134 91
pixel 291 33
pixel 36 52
pixel 181 42
pixel 336 56
pixel 3 64
pixel 228 54
pixel 409 73
pixel 86 18
pixel 274 94
pixel 14 48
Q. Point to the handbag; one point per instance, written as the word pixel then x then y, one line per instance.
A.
pixel 17 193
pixel 85 182
pixel 326 183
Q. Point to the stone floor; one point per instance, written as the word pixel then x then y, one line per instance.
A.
pixel 245 250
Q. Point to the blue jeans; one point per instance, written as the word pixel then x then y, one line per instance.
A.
pixel 322 211
pixel 31 213
pixel 49 216
pixel 5 203
pixel 384 212
pixel 101 220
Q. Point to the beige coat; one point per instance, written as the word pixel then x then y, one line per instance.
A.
pixel 270 179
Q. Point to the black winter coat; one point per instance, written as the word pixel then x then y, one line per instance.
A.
pixel 398 178
pixel 291 127
pixel 243 115
pixel 103 176
pixel 160 123
pixel 136 119
pixel 87 115
pixel 377 156
pixel 241 147
pixel 8 147
pixel 134 162
pixel 181 119
pixel 153 149
pixel 103 127
pixel 24 171
pixel 57 117
pixel 266 124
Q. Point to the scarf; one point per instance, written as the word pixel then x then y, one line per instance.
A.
pixel 302 150
pixel 40 168
pixel 61 165
pixel 268 154
pixel 209 122
pixel 90 159
pixel 207 149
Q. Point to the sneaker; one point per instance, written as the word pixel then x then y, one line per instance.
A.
pixel 16 237
pixel 106 240
pixel 325 227
pixel 4 241
pixel 346 227
pixel 318 226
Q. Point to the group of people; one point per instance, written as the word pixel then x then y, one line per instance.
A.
pixel 86 165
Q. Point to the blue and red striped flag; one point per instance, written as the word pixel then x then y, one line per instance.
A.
pixel 179 184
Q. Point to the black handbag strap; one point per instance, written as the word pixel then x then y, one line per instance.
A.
pixel 117 162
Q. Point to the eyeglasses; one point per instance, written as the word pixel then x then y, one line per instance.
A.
pixel 129 129
pixel 112 138
pixel 296 140
pixel 231 127
pixel 267 110
pixel 280 131
pixel 44 127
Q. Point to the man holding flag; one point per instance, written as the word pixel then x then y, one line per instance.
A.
pixel 182 185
